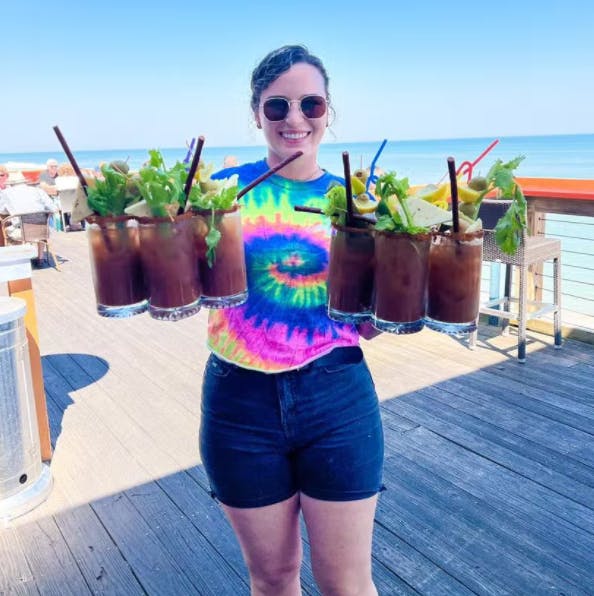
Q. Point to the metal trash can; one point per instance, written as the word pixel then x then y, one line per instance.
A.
pixel 25 481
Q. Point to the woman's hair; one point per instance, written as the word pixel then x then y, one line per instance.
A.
pixel 276 63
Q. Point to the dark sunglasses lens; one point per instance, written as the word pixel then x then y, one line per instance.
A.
pixel 276 109
pixel 313 106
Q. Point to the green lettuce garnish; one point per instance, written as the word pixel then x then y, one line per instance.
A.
pixel 510 227
pixel 335 207
pixel 162 188
pixel 387 187
pixel 212 195
pixel 112 194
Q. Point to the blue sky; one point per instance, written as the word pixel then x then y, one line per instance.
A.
pixel 116 74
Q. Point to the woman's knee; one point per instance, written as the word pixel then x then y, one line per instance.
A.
pixel 275 576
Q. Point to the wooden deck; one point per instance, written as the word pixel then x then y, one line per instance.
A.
pixel 489 468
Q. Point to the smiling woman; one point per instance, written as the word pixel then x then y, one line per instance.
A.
pixel 274 440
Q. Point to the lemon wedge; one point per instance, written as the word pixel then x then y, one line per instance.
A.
pixel 357 186
pixel 468 195
pixel 363 204
pixel 433 193
pixel 393 203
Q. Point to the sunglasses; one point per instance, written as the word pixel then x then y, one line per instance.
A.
pixel 277 108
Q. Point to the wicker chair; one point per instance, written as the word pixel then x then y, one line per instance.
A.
pixel 533 250
pixel 30 228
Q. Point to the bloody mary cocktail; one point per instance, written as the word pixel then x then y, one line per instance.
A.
pixel 222 269
pixel 401 271
pixel 116 267
pixel 170 264
pixel 350 274
pixel 455 262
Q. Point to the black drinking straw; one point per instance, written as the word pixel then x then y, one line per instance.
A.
pixel 348 187
pixel 269 173
pixel 71 159
pixel 454 189
pixel 194 166
pixel 317 211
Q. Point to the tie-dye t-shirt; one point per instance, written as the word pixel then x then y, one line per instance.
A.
pixel 284 323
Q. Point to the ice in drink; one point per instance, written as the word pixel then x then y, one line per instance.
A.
pixel 350 274
pixel 401 271
pixel 455 262
pixel 224 280
pixel 116 267
pixel 170 264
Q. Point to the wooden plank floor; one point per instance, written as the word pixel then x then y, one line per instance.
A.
pixel 489 464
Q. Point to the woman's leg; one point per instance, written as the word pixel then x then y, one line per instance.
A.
pixel 270 541
pixel 340 536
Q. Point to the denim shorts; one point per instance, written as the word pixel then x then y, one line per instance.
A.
pixel 265 437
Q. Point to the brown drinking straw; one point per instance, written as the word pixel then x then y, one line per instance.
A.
pixel 194 166
pixel 71 159
pixel 454 188
pixel 269 173
pixel 348 188
pixel 318 211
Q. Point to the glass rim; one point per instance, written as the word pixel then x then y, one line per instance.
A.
pixel 208 211
pixel 459 235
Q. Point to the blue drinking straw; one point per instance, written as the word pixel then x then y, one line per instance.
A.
pixel 372 178
pixel 190 151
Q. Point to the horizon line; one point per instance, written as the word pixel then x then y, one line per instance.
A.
pixel 256 145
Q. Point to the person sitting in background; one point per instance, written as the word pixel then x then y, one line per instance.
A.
pixel 47 179
pixel 230 161
pixel 3 177
pixel 22 198
pixel 66 169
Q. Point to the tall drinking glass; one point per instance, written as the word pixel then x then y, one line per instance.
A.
pixel 350 274
pixel 401 271
pixel 116 266
pixel 224 281
pixel 455 262
pixel 170 264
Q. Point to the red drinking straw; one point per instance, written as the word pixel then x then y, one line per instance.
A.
pixel 71 159
pixel 269 173
pixel 470 165
pixel 348 187
pixel 194 166
pixel 454 189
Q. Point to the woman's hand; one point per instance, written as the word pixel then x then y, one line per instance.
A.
pixel 367 330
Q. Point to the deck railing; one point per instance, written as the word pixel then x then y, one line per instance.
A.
pixel 564 209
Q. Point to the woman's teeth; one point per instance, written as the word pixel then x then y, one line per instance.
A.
pixel 293 136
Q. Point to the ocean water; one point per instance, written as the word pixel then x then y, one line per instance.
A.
pixel 559 156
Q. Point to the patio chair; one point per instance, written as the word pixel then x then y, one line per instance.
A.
pixel 67 198
pixel 33 228
pixel 533 250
